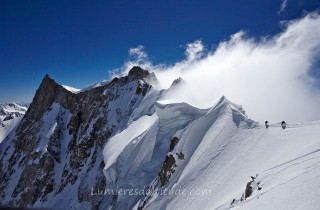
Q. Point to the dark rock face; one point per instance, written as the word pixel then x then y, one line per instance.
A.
pixel 48 92
pixel 167 169
pixel 248 191
pixel 173 143
pixel 169 164
pixel 58 145
pixel 180 156
pixel 251 186
pixel 138 72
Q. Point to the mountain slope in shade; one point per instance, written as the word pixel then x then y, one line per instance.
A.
pixel 55 156
pixel 10 116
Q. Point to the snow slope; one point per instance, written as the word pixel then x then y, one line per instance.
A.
pixel 71 89
pixel 7 126
pixel 221 150
pixel 221 159
pixel 141 157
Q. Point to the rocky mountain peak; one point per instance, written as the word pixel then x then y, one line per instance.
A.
pixel 63 131
pixel 48 92
pixel 177 83
pixel 138 72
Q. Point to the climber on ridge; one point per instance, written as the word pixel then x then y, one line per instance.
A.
pixel 283 124
pixel 266 124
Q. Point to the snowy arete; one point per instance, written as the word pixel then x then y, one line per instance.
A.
pixel 121 145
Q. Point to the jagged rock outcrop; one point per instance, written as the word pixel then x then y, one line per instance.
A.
pixel 57 148
pixel 167 169
pixel 48 92
pixel 251 187
pixel 138 72
pixel 173 143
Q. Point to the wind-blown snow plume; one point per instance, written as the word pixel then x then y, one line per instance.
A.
pixel 270 77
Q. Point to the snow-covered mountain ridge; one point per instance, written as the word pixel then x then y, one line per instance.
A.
pixel 283 163
pixel 81 150
pixel 10 116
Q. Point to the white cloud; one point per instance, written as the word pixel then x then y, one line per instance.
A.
pixel 283 6
pixel 194 50
pixel 268 77
pixel 137 57
pixel 138 53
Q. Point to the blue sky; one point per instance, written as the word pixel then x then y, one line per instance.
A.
pixel 78 42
